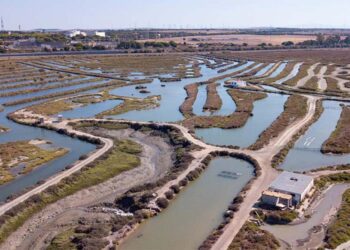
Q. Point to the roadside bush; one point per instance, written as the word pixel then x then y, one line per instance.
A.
pixel 162 202
pixel 175 188
pixel 169 194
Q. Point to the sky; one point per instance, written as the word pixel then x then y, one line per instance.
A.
pixel 116 14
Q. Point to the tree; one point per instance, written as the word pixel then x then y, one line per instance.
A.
pixel 173 44
pixel 288 43
pixel 320 38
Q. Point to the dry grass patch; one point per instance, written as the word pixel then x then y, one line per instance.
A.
pixel 332 85
pixel 250 236
pixel 295 108
pixel 286 72
pixel 339 140
pixel 130 104
pixel 244 101
pixel 213 101
pixel 301 74
pixel 311 84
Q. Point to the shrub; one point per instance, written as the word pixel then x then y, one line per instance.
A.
pixel 162 202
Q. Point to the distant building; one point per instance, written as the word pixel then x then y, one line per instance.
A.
pixel 100 33
pixel 288 187
pixel 76 33
pixel 237 84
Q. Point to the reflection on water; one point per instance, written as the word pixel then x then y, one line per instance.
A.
pixel 264 113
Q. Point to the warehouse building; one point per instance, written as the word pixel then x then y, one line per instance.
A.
pixel 288 189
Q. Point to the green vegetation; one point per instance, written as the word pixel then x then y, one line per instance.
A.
pixel 50 108
pixel 338 231
pixel 252 237
pixel 63 241
pixel 339 140
pixel 295 108
pixel 279 217
pixel 88 124
pixel 122 157
pixel 324 181
pixel 13 154
pixel 132 104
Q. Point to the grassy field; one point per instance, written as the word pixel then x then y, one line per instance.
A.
pixel 338 231
pixel 339 140
pixel 295 108
pixel 123 156
pixel 13 154
pixel 250 236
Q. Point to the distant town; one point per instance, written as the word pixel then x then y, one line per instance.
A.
pixel 171 40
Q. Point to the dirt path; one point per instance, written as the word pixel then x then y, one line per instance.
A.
pixel 310 74
pixel 322 83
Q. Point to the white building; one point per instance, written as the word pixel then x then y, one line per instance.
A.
pixel 296 185
pixel 76 33
pixel 100 34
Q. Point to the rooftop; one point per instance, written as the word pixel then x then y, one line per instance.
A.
pixel 277 194
pixel 291 182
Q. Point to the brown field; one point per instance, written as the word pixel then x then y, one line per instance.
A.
pixel 237 39
pixel 213 101
pixel 338 56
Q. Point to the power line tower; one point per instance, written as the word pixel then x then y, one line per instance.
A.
pixel 2 24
